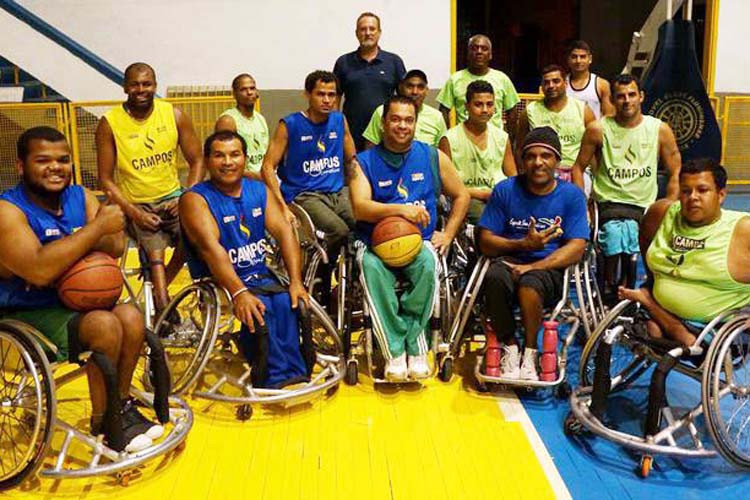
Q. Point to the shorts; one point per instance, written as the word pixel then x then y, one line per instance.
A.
pixel 168 234
pixel 58 324
pixel 618 236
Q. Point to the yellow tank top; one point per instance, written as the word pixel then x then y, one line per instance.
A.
pixel 146 153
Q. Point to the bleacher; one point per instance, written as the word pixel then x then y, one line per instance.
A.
pixel 33 89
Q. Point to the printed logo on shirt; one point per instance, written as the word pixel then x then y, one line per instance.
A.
pixel 383 184
pixel 52 232
pixel 228 218
pixel 257 212
pixel 418 176
pixel 401 189
pixel 305 138
pixel 685 244
pixel 243 227
pixel 321 145
pixel 333 135
pixel 542 223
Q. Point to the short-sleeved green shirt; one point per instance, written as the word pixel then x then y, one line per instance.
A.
pixel 430 126
pixel 255 132
pixel 453 93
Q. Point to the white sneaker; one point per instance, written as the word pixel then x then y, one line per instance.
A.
pixel 418 367
pixel 509 362
pixel 528 366
pixel 395 369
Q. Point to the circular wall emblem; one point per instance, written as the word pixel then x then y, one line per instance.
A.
pixel 683 113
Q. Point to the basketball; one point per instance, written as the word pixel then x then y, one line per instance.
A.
pixel 94 282
pixel 396 241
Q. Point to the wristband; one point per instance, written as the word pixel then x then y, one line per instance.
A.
pixel 239 292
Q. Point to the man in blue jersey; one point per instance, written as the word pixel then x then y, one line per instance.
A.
pixel 225 220
pixel 403 177
pixel 536 227
pixel 310 149
pixel 53 225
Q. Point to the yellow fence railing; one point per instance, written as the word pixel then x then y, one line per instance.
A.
pixel 735 130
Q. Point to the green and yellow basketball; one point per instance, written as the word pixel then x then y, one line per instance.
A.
pixel 396 241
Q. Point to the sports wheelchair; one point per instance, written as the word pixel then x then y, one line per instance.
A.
pixel 29 417
pixel 620 351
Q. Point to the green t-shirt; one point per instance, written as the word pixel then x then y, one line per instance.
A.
pixel 691 273
pixel 255 132
pixel 629 160
pixel 430 126
pixel 453 93
pixel 478 168
pixel 568 123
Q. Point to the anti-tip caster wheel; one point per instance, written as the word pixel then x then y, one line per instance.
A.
pixel 351 373
pixel 244 412
pixel 446 370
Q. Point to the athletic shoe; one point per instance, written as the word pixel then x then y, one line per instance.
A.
pixel 132 418
pixel 135 439
pixel 395 369
pixel 418 367
pixel 509 362
pixel 528 366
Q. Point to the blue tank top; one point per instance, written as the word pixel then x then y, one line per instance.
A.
pixel 414 181
pixel 48 227
pixel 241 223
pixel 314 159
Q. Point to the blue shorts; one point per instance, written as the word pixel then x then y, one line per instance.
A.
pixel 618 236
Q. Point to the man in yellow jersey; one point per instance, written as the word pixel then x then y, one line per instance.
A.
pixel 697 254
pixel 566 115
pixel 628 147
pixel 138 141
pixel 248 122
pixel 480 151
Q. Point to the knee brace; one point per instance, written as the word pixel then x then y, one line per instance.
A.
pixel 657 393
pixel 159 375
pixel 307 348
pixel 112 422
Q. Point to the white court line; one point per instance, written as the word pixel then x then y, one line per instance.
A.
pixel 513 411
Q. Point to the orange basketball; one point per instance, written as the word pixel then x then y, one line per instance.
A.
pixel 396 241
pixel 94 282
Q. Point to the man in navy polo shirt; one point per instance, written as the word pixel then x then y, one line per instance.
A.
pixel 368 76
pixel 536 227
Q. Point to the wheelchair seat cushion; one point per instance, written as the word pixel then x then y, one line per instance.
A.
pixel 58 324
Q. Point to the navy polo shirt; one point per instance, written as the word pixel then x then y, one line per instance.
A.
pixel 366 85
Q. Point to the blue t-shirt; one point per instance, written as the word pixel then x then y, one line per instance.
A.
pixel 407 179
pixel 314 160
pixel 510 208
pixel 47 227
pixel 242 228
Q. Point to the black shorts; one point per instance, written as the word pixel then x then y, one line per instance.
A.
pixel 548 283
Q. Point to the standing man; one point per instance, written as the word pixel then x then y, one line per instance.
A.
pixel 368 76
pixel 628 149
pixel 480 151
pixel 430 123
pixel 247 122
pixel 568 117
pixel 403 177
pixel 584 84
pixel 453 93
pixel 138 139
pixel 310 149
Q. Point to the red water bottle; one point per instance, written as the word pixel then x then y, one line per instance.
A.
pixel 492 355
pixel 549 352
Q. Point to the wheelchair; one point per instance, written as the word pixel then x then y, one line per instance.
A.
pixel 197 330
pixel 620 352
pixel 29 418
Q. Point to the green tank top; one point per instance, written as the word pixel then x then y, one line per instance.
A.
pixel 691 276
pixel 255 132
pixel 568 123
pixel 629 160
pixel 478 168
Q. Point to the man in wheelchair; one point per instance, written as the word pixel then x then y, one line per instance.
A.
pixel 697 255
pixel 53 225
pixel 403 177
pixel 537 227
pixel 224 220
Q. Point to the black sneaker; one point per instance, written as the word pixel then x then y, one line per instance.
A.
pixel 134 437
pixel 133 419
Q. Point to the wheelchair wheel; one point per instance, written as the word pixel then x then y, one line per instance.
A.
pixel 324 335
pixel 27 406
pixel 628 361
pixel 726 391
pixel 187 328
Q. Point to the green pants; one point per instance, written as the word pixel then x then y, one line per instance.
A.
pixel 331 213
pixel 52 322
pixel 400 322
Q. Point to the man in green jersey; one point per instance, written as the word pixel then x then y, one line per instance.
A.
pixel 247 122
pixel 628 149
pixel 453 93
pixel 697 255
pixel 480 151
pixel 430 124
pixel 566 115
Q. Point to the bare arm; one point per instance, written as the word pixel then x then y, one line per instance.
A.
pixel 111 244
pixel 568 254
pixel 190 147
pixel 588 115
pixel 650 225
pixel 521 132
pixel 509 162
pixel 106 159
pixel 283 233
pixel 511 124
pixel 445 147
pixel 591 142
pixel 455 190
pixel 605 97
pixel 276 150
pixel 670 157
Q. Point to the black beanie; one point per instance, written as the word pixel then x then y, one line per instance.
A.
pixel 545 137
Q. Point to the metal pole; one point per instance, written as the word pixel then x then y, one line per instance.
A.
pixel 688 11
pixel 669 10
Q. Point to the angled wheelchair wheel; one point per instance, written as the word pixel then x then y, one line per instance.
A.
pixel 188 327
pixel 726 390
pixel 27 406
pixel 627 361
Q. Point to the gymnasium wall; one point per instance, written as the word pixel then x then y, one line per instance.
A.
pixel 732 56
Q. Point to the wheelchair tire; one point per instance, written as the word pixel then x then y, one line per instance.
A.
pixel 728 356
pixel 446 370
pixel 351 373
pixel 32 359
pixel 188 345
